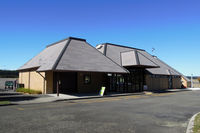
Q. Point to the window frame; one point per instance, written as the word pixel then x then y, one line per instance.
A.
pixel 84 79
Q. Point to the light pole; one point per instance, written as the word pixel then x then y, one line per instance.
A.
pixel 153 49
pixel 191 81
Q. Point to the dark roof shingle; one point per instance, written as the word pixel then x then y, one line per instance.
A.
pixel 73 54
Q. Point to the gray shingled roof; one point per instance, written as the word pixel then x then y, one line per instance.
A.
pixel 126 56
pixel 73 54
pixel 135 58
pixel 113 51
pixel 47 58
pixel 164 68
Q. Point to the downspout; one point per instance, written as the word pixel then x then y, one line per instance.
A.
pixel 43 81
pixel 29 80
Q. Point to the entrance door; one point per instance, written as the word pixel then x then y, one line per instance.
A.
pixel 68 82
pixel 132 82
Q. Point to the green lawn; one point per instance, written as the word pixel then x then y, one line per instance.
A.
pixel 29 91
pixel 4 102
pixel 196 128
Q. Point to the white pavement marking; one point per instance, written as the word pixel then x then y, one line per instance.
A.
pixel 194 89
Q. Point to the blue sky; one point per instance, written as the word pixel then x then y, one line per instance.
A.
pixel 172 27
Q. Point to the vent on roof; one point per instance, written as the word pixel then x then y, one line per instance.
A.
pixel 154 56
pixel 99 46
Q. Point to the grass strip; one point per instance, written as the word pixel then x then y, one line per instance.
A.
pixel 196 128
pixel 29 91
pixel 4 102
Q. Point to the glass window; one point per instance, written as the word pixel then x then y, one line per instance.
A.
pixel 87 79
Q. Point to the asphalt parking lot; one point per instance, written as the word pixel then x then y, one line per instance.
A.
pixel 156 113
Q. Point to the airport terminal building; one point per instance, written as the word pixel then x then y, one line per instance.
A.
pixel 74 66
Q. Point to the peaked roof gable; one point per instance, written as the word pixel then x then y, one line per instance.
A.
pixel 45 59
pixel 135 58
pixel 113 51
pixel 81 56
pixel 72 54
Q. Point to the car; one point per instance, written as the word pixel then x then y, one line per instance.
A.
pixel 9 84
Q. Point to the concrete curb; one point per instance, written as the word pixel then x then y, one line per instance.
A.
pixel 93 97
pixel 145 93
pixel 191 124
pixel 78 98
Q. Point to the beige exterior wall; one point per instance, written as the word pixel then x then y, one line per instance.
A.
pixel 159 83
pixel 35 81
pixel 94 86
pixel 176 83
pixel 186 83
pixel 24 79
pixel 156 83
pixel 196 83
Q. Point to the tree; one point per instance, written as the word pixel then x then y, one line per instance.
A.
pixel 198 79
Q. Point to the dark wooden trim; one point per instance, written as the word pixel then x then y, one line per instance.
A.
pixel 105 49
pixel 137 58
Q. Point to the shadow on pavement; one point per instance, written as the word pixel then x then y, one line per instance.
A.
pixel 7 105
pixel 9 94
pixel 169 90
pixel 15 97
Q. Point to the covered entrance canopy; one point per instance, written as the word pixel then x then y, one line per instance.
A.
pixel 134 60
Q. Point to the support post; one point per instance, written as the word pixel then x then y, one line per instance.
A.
pixel 44 90
pixel 191 80
pixel 57 88
pixel 29 80
pixel 58 84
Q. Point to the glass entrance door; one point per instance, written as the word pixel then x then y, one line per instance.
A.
pixel 132 82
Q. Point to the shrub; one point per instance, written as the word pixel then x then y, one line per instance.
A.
pixel 29 91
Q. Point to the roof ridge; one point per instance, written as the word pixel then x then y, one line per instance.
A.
pixel 68 38
pixel 108 58
pixel 148 59
pixel 122 46
pixel 56 42
pixel 61 54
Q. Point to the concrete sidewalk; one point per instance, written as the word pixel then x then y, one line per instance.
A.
pixel 62 97
pixel 194 89
pixel 19 98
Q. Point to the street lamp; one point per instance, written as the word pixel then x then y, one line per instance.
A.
pixel 191 81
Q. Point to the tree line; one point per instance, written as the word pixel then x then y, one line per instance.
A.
pixel 9 74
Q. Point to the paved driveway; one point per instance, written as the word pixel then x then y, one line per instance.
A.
pixel 156 113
